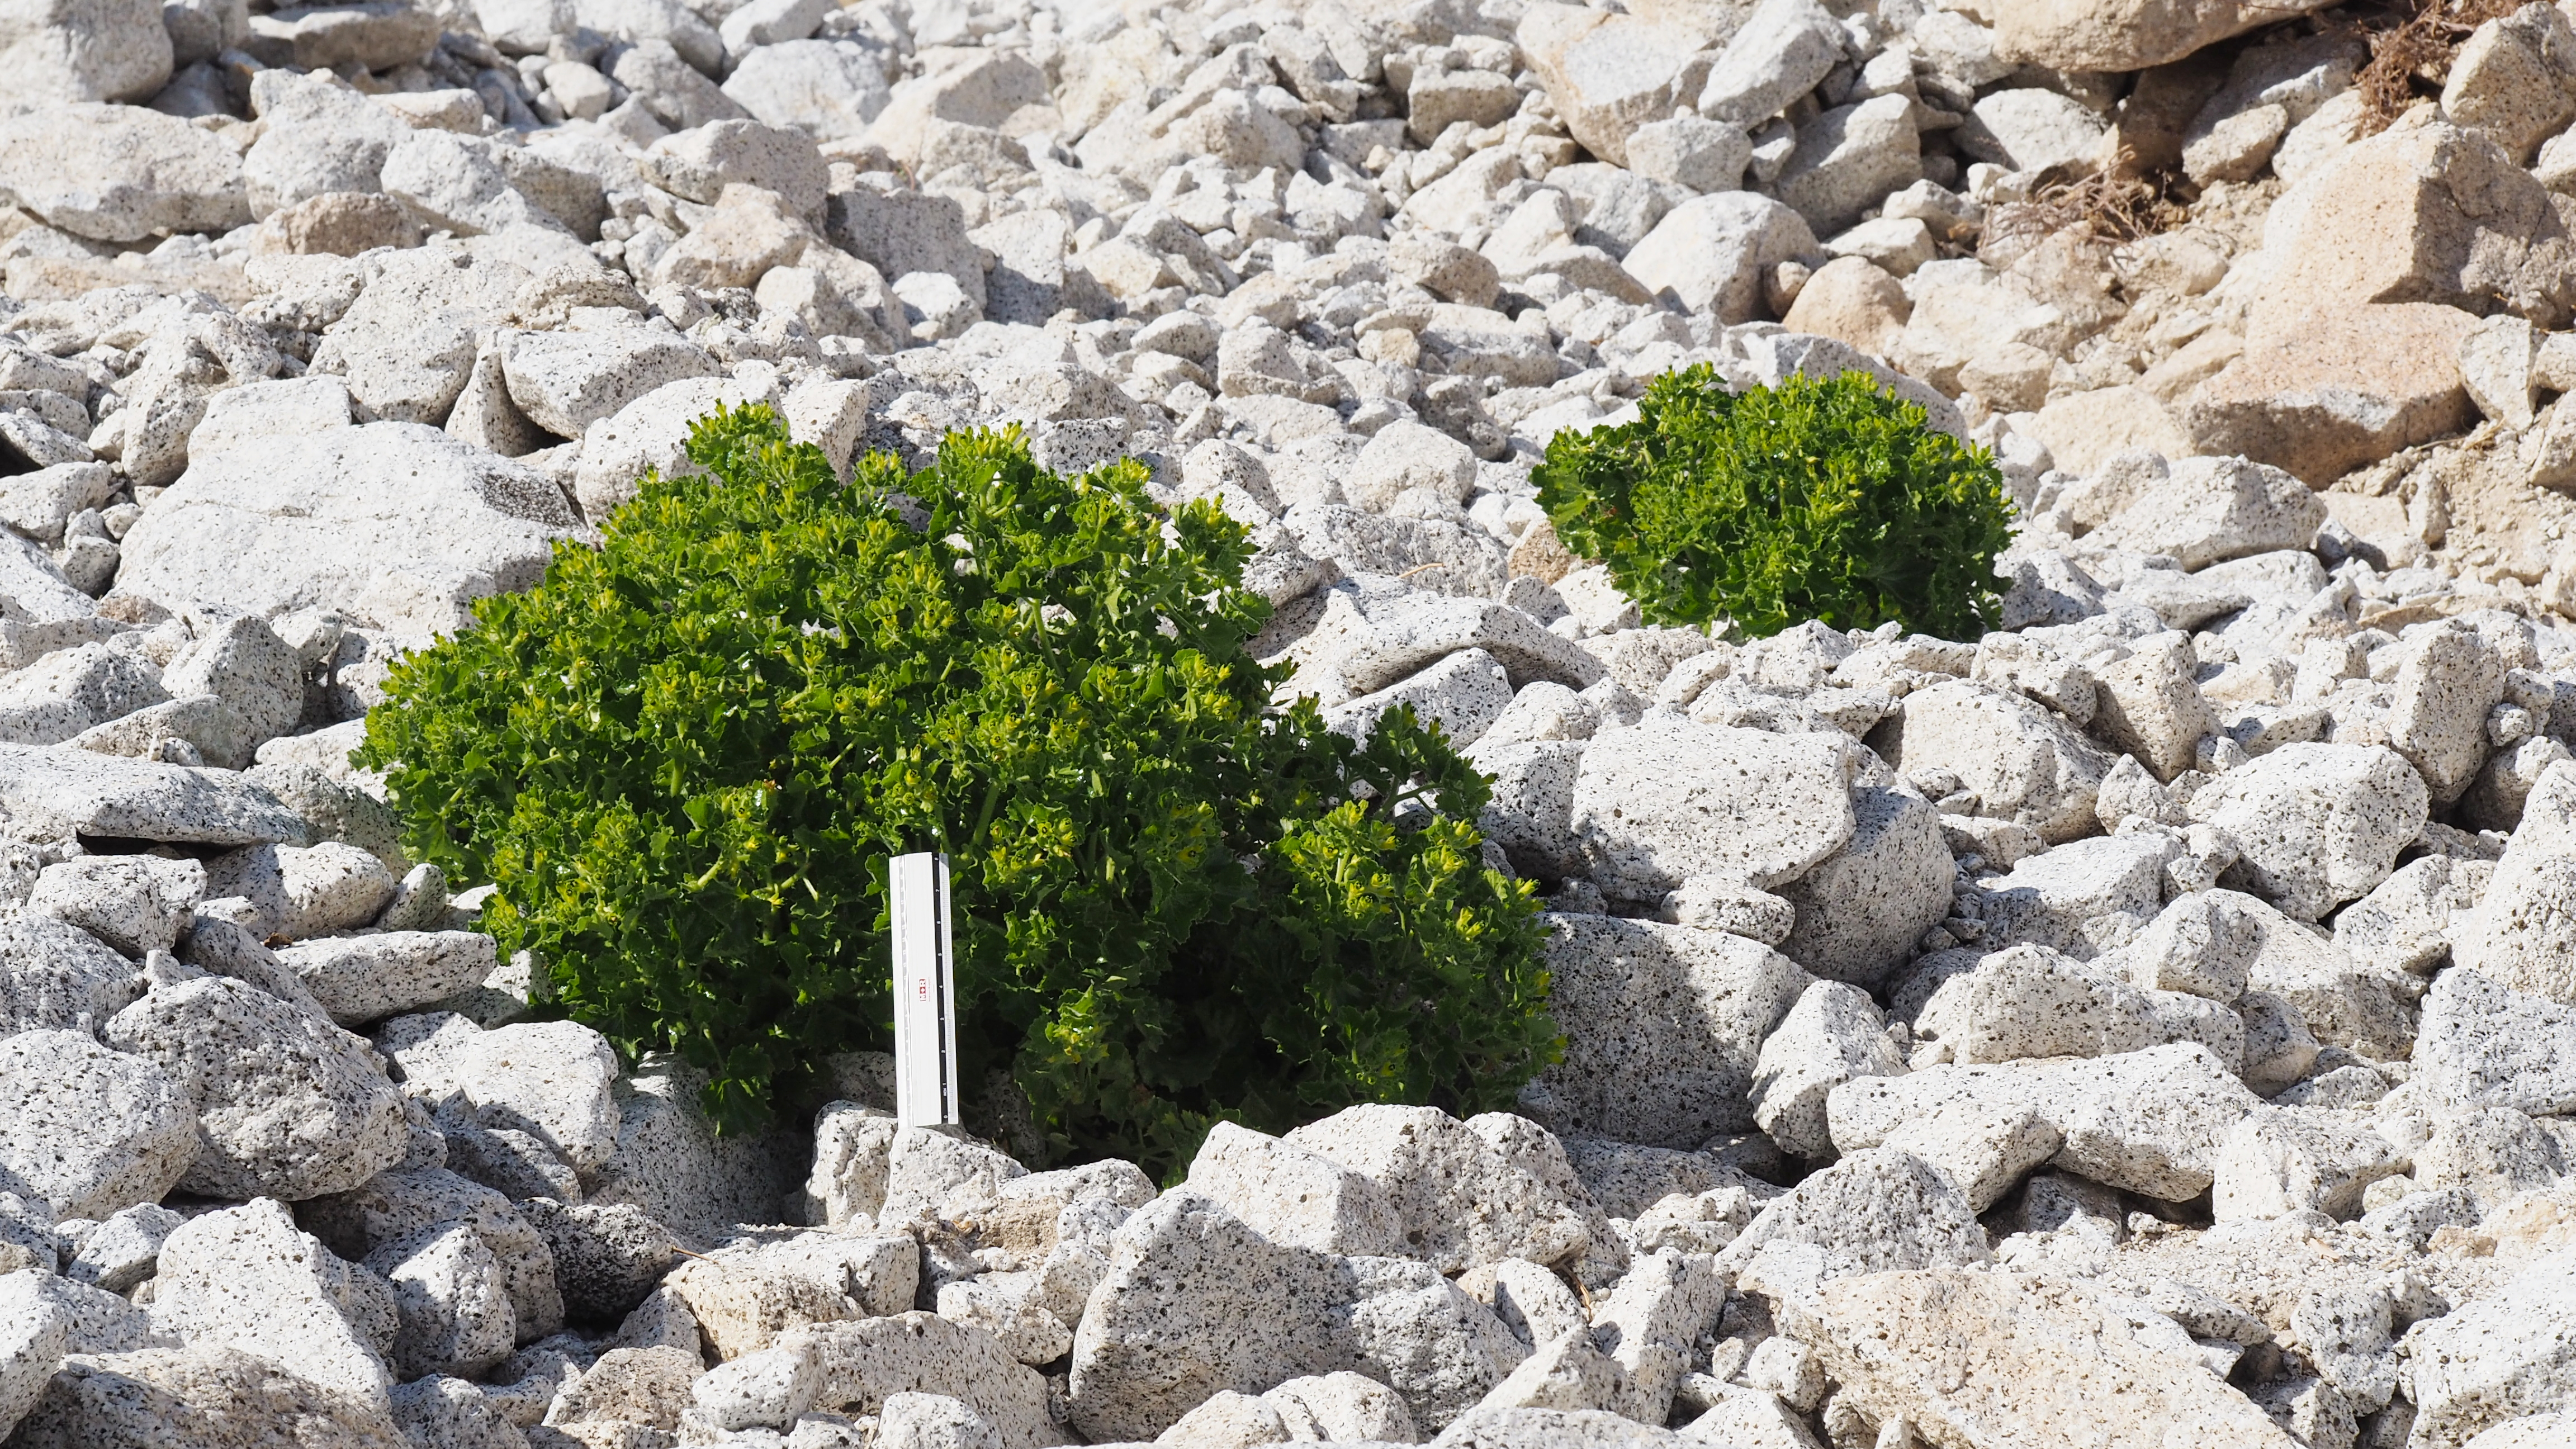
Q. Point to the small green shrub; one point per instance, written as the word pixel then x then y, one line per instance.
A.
pixel 1813 500
pixel 685 756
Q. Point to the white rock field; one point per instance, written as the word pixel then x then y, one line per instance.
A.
pixel 2149 1026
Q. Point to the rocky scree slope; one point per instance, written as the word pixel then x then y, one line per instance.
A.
pixel 2150 1023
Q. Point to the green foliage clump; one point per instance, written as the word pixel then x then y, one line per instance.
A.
pixel 1816 499
pixel 685 757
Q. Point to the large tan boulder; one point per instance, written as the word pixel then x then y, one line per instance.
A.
pixel 2423 212
pixel 2318 394
pixel 2125 34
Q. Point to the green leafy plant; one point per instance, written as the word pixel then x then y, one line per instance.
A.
pixel 684 758
pixel 1816 499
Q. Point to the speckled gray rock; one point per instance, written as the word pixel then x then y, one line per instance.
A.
pixel 745 1297
pixel 1461 1193
pixel 2407 921
pixel 2079 898
pixel 135 903
pixel 257 675
pixel 53 974
pixel 287 1104
pixel 1862 909
pixel 1559 1429
pixel 2521 933
pixel 1963 1353
pixel 1875 1211
pixel 115 798
pixel 449 1413
pixel 360 979
pixel 2023 763
pixel 605 1257
pixel 245 1278
pixel 123 1250
pixel 2028 1001
pixel 33 1335
pixel 2485 1045
pixel 207 1394
pixel 1658 805
pixel 861 1365
pixel 2317 824
pixel 2149 707
pixel 551 1079
pixel 1195 1302
pixel 2209 510
pixel 1533 800
pixel 1663 1026
pixel 565 381
pixel 699 163
pixel 1294 1195
pixel 935 1175
pixel 301 522
pixel 92 1130
pixel 2281 1160
pixel 453 1302
pixel 2150 1121
pixel 403 1202
pixel 1833 1034
pixel 2506 1353
pixel 2448 678
pixel 298 891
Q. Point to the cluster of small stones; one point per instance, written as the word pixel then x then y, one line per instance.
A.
pixel 2150 1024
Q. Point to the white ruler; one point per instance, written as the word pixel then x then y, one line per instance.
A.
pixel 925 992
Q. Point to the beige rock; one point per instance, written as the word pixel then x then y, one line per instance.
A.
pixel 2125 34
pixel 2514 80
pixel 749 231
pixel 2150 708
pixel 2422 212
pixel 2085 429
pixel 2323 393
pixel 1979 1358
pixel 1608 74
pixel 338 223
pixel 1850 299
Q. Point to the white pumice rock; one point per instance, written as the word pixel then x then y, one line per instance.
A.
pixel 1461 1193
pixel 1664 1027
pixel 2083 898
pixel 91 1130
pixel 2149 1121
pixel 287 1104
pixel 1759 807
pixel 1833 1034
pixel 1295 1195
pixel 245 1278
pixel 2317 824
pixel 136 903
pixel 2023 763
